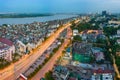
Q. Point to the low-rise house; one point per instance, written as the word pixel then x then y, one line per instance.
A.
pixel 96 49
pixel 72 78
pixel 98 53
pixel 118 41
pixel 60 73
pixel 92 35
pixel 75 32
pixel 117 35
pixel 82 48
pixel 68 50
pixel 118 32
pixel 30 46
pixel 99 56
pixel 102 75
pixel 20 47
pixel 84 36
pixel 7 49
pixel 114 22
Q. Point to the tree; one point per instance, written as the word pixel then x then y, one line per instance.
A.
pixel 110 31
pixel 77 38
pixel 48 76
pixel 118 62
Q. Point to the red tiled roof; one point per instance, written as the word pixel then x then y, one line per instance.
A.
pixel 72 78
pixel 102 71
pixel 6 41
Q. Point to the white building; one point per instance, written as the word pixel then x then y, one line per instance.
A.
pixel 84 36
pixel 114 22
pixel 104 76
pixel 118 32
pixel 20 47
pixel 30 46
pixel 75 32
pixel 6 49
pixel 60 73
pixel 118 36
pixel 118 41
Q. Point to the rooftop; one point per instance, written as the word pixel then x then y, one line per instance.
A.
pixel 102 71
pixel 6 41
pixel 61 69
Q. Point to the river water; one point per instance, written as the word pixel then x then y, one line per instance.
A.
pixel 32 19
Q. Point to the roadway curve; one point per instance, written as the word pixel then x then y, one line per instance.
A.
pixel 14 70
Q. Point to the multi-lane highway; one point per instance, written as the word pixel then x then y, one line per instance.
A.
pixel 14 70
pixel 50 64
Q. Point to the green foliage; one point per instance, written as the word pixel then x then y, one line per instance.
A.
pixel 117 48
pixel 101 41
pixel 110 31
pixel 118 61
pixel 4 25
pixel 48 76
pixel 55 49
pixel 77 38
pixel 3 63
pixel 84 26
pixel 16 57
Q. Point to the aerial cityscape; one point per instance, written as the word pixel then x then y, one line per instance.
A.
pixel 59 39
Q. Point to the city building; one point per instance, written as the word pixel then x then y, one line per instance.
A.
pixel 118 41
pixel 75 32
pixel 98 53
pixel 68 50
pixel 60 73
pixel 104 13
pixel 20 47
pixel 6 49
pixel 102 75
pixel 114 22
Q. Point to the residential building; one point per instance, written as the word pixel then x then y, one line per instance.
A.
pixel 75 32
pixel 102 75
pixel 118 41
pixel 20 47
pixel 98 53
pixel 114 22
pixel 60 73
pixel 6 49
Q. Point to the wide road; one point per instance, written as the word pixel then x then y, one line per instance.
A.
pixel 14 70
pixel 50 64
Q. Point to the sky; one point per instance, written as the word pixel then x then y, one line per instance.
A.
pixel 59 6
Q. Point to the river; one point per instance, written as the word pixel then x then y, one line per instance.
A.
pixel 32 19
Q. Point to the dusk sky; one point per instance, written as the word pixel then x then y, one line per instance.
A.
pixel 59 6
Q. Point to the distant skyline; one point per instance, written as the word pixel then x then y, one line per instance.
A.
pixel 59 6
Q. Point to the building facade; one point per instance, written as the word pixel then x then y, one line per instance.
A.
pixel 6 49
